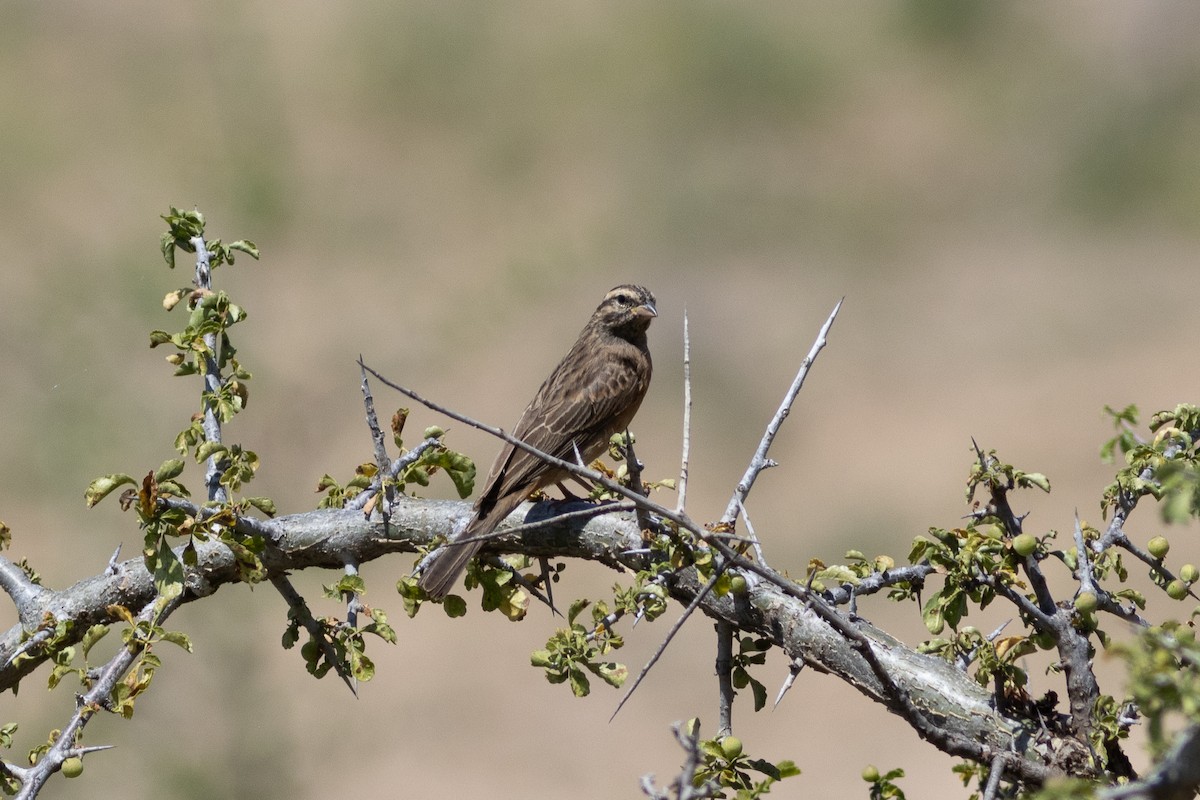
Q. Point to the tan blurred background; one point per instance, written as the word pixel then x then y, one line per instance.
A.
pixel 1008 196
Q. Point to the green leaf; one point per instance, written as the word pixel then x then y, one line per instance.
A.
pixel 169 469
pixel 541 658
pixel 580 685
pixel 932 616
pixel 613 674
pixel 760 694
pixel 208 449
pixel 91 636
pixel 264 504
pixel 246 246
pixel 101 487
pixel 454 606
pixel 361 667
pixel 576 607
pixel 1036 479
pixel 168 571
pixel 178 638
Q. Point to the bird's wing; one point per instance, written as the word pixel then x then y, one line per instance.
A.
pixel 574 408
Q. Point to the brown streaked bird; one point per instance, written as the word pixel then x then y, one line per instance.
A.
pixel 592 394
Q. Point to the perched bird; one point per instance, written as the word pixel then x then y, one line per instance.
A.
pixel 592 394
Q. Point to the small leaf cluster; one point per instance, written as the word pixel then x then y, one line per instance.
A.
pixel 751 651
pixel 184 226
pixel 458 467
pixel 856 568
pixel 996 477
pixel 883 786
pixel 972 560
pixel 140 636
pixel 646 599
pixel 618 450
pixel 725 762
pixel 162 523
pixel 1164 677
pixel 8 782
pixel 1166 468
pixel 341 646
pixel 572 652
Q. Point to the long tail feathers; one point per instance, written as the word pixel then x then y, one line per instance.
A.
pixel 439 577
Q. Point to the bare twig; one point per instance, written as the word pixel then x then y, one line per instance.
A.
pixel 377 441
pixel 760 461
pixel 724 667
pixel 689 740
pixel 687 417
pixel 662 648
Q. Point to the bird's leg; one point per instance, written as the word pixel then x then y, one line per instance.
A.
pixel 567 495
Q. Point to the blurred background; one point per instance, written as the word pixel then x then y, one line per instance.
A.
pixel 1007 195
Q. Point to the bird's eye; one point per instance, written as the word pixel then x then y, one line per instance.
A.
pixel 623 299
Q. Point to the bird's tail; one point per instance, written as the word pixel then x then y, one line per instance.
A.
pixel 439 577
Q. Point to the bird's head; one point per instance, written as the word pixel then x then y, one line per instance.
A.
pixel 626 310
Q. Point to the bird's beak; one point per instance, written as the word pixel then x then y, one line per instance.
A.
pixel 647 310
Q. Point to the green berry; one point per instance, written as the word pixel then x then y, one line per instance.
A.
pixel 72 767
pixel 870 773
pixel 738 586
pixel 1024 544
pixel 1158 547
pixel 1177 590
pixel 1086 602
pixel 1189 573
pixel 731 747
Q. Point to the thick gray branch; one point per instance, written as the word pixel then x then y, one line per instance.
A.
pixel 325 538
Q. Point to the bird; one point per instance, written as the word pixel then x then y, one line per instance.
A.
pixel 594 392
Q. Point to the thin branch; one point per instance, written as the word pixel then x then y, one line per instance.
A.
pixel 755 543
pixel 724 667
pixel 397 466
pixel 687 417
pixel 212 380
pixel 377 441
pixel 662 648
pixel 995 773
pixel 760 461
pixel 35 777
pixel 302 614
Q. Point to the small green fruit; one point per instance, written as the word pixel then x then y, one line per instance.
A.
pixel 1086 602
pixel 434 432
pixel 989 531
pixel 1189 573
pixel 1177 590
pixel 1043 640
pixel 1024 544
pixel 731 747
pixel 738 586
pixel 870 773
pixel 1158 547
pixel 72 767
